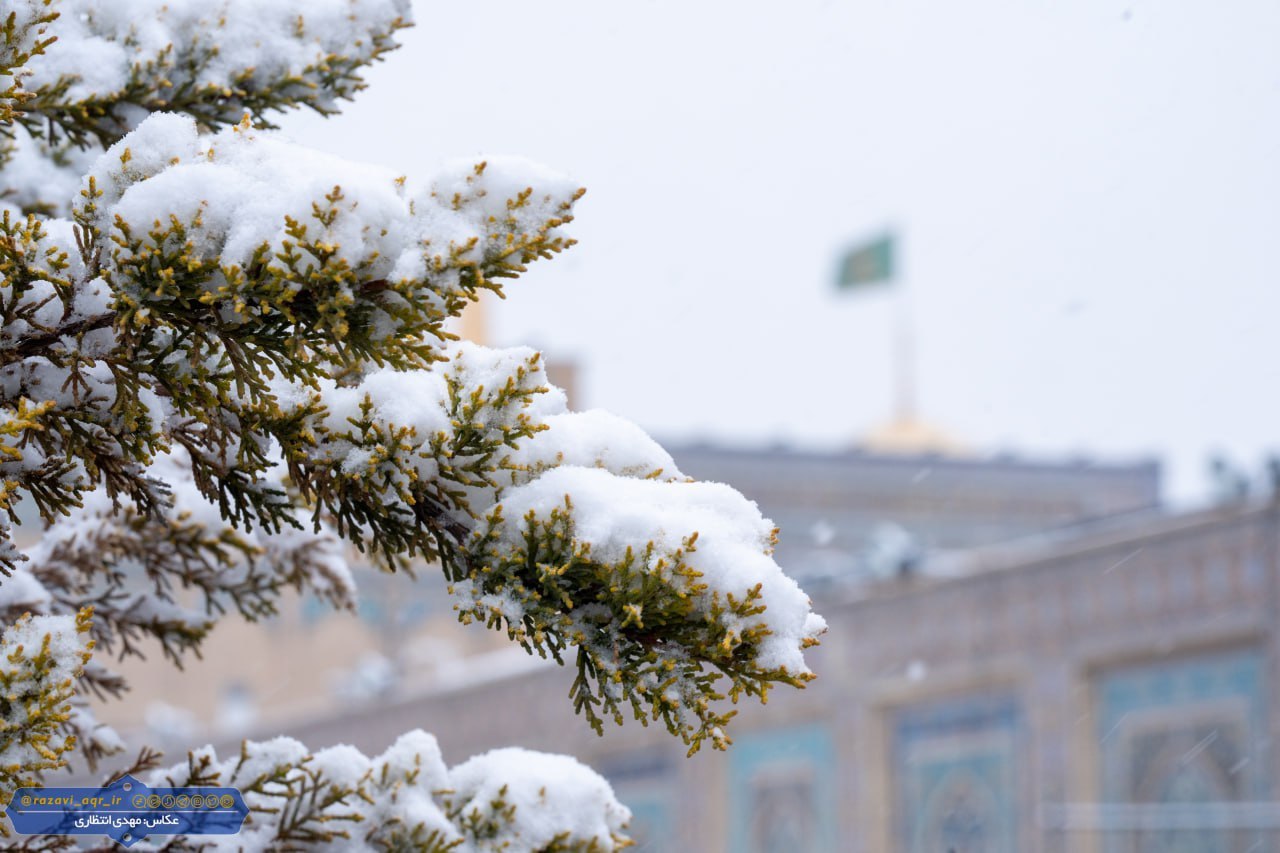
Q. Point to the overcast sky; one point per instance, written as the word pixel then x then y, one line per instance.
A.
pixel 1088 195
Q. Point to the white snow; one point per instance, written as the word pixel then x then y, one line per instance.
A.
pixel 595 439
pixel 613 514
pixel 552 794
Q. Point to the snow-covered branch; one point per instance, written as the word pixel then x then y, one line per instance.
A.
pixel 232 358
pixel 407 799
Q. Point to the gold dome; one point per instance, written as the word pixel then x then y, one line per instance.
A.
pixel 907 436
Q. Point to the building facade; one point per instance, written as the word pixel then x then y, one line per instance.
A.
pixel 1041 659
pixel 1112 694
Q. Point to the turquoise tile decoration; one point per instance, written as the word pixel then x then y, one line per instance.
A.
pixel 782 791
pixel 651 817
pixel 1180 738
pixel 956 775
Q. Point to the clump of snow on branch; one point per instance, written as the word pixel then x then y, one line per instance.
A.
pixel 615 515
pixel 246 184
pixel 131 58
pixel 250 197
pixel 555 800
pixel 40 659
pixel 253 44
pixel 211 59
pixel 406 798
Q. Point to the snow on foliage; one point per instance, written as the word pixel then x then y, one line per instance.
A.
pixel 24 36
pixel 514 799
pixel 406 798
pixel 719 534
pixel 225 357
pixel 115 61
pixel 40 658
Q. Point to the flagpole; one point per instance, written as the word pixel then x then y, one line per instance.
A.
pixel 874 262
pixel 904 351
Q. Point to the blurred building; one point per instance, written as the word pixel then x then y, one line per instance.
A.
pixel 1022 657
pixel 843 515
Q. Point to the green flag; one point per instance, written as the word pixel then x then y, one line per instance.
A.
pixel 867 263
